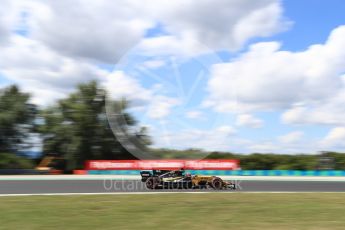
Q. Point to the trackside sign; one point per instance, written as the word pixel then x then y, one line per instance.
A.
pixel 162 164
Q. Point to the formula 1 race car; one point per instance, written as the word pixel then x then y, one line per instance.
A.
pixel 178 179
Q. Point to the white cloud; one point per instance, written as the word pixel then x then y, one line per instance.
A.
pixel 154 63
pixel 171 45
pixel 9 19
pixel 194 114
pixel 160 106
pixel 62 40
pixel 120 85
pixel 330 111
pixel 263 23
pixel 43 72
pixel 292 137
pixel 219 138
pixel 290 143
pixel 266 78
pixel 264 147
pixel 100 30
pixel 249 120
pixel 49 76
pixel 334 139
pixel 156 106
pixel 4 26
pixel 221 24
pixel 105 30
pixel 226 130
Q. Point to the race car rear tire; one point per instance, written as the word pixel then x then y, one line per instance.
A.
pixel 152 182
pixel 217 183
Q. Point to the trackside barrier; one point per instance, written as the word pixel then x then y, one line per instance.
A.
pixel 162 164
pixel 234 172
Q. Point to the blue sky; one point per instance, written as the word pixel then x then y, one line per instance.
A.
pixel 263 77
pixel 313 20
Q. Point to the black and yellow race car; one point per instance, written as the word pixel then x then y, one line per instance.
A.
pixel 178 179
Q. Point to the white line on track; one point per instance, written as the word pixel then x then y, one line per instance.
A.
pixel 134 177
pixel 152 193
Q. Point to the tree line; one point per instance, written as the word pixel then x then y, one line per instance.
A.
pixel 264 161
pixel 76 129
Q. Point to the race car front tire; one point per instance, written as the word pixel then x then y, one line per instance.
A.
pixel 217 183
pixel 152 182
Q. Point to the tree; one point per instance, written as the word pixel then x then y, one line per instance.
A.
pixel 16 119
pixel 78 129
pixel 13 161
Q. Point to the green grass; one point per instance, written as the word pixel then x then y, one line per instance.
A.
pixel 175 211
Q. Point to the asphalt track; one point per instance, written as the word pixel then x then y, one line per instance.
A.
pixel 128 186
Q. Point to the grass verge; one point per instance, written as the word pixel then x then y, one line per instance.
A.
pixel 175 211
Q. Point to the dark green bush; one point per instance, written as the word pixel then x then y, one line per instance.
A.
pixel 12 161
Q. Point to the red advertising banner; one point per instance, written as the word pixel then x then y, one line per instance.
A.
pixel 162 164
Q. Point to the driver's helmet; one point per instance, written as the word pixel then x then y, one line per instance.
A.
pixel 188 174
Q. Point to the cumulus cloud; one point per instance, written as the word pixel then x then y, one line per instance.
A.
pixel 149 101
pixel 221 24
pixel 105 30
pixel 194 114
pixel 160 106
pixel 49 76
pixel 4 29
pixel 335 138
pixel 41 71
pixel 153 64
pixel 120 85
pixel 289 143
pixel 249 120
pixel 292 137
pixel 8 18
pixel 264 147
pixel 267 78
pixel 219 138
pixel 100 30
pixel 62 40
pixel 330 111
pixel 171 45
